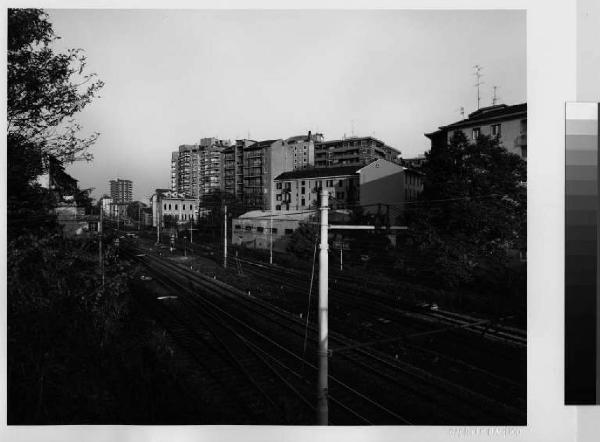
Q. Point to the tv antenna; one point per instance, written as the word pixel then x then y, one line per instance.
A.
pixel 461 110
pixel 478 74
pixel 495 98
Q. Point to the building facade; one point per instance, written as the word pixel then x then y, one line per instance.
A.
pixel 414 162
pixel 507 123
pixel 232 168
pixel 248 166
pixel 259 229
pixel 121 191
pixel 370 186
pixel 196 168
pixel 300 189
pixel 166 203
pixel 352 151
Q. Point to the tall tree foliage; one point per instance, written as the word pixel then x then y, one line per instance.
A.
pixel 45 88
pixel 472 210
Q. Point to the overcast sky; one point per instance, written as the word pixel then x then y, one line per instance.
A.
pixel 173 77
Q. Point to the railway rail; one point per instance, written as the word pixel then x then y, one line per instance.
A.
pixel 256 325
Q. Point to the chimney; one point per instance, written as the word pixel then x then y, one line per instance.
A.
pixel 309 135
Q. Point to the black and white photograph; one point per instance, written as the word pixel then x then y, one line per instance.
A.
pixel 291 217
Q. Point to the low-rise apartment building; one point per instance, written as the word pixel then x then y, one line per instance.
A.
pixel 166 203
pixel 507 123
pixel 380 182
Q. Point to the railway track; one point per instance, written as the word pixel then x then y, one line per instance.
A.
pixel 441 347
pixel 434 396
pixel 407 332
pixel 290 372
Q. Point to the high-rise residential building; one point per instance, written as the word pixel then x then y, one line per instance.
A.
pixel 248 167
pixel 184 170
pixel 209 165
pixel 121 191
pixel 232 168
pixel 352 151
pixel 507 123
pixel 196 168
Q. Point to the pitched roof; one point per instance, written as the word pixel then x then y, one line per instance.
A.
pixel 320 172
pixel 491 113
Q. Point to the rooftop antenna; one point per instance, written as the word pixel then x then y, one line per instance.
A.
pixel 478 74
pixel 495 98
pixel 461 110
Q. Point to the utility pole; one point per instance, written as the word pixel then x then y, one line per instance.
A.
pixel 271 239
pixel 158 219
pixel 225 237
pixel 342 256
pixel 100 251
pixel 191 229
pixel 322 405
pixel 139 216
pixel 478 74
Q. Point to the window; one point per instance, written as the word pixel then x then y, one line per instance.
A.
pixel 274 230
pixel 303 183
pixel 260 229
pixel 248 228
pixel 476 132
pixel 329 183
pixel 277 207
pixel 169 207
pixel 289 231
pixel 278 186
pixel 340 183
pixel 303 202
pixel 165 208
pixel 175 206
pixel 288 185
pixel 238 227
pixel 303 191
pixel 496 130
pixel 183 207
pixel 278 197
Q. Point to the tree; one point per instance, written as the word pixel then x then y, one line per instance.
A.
pixel 471 213
pixel 302 241
pixel 134 210
pixel 45 89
